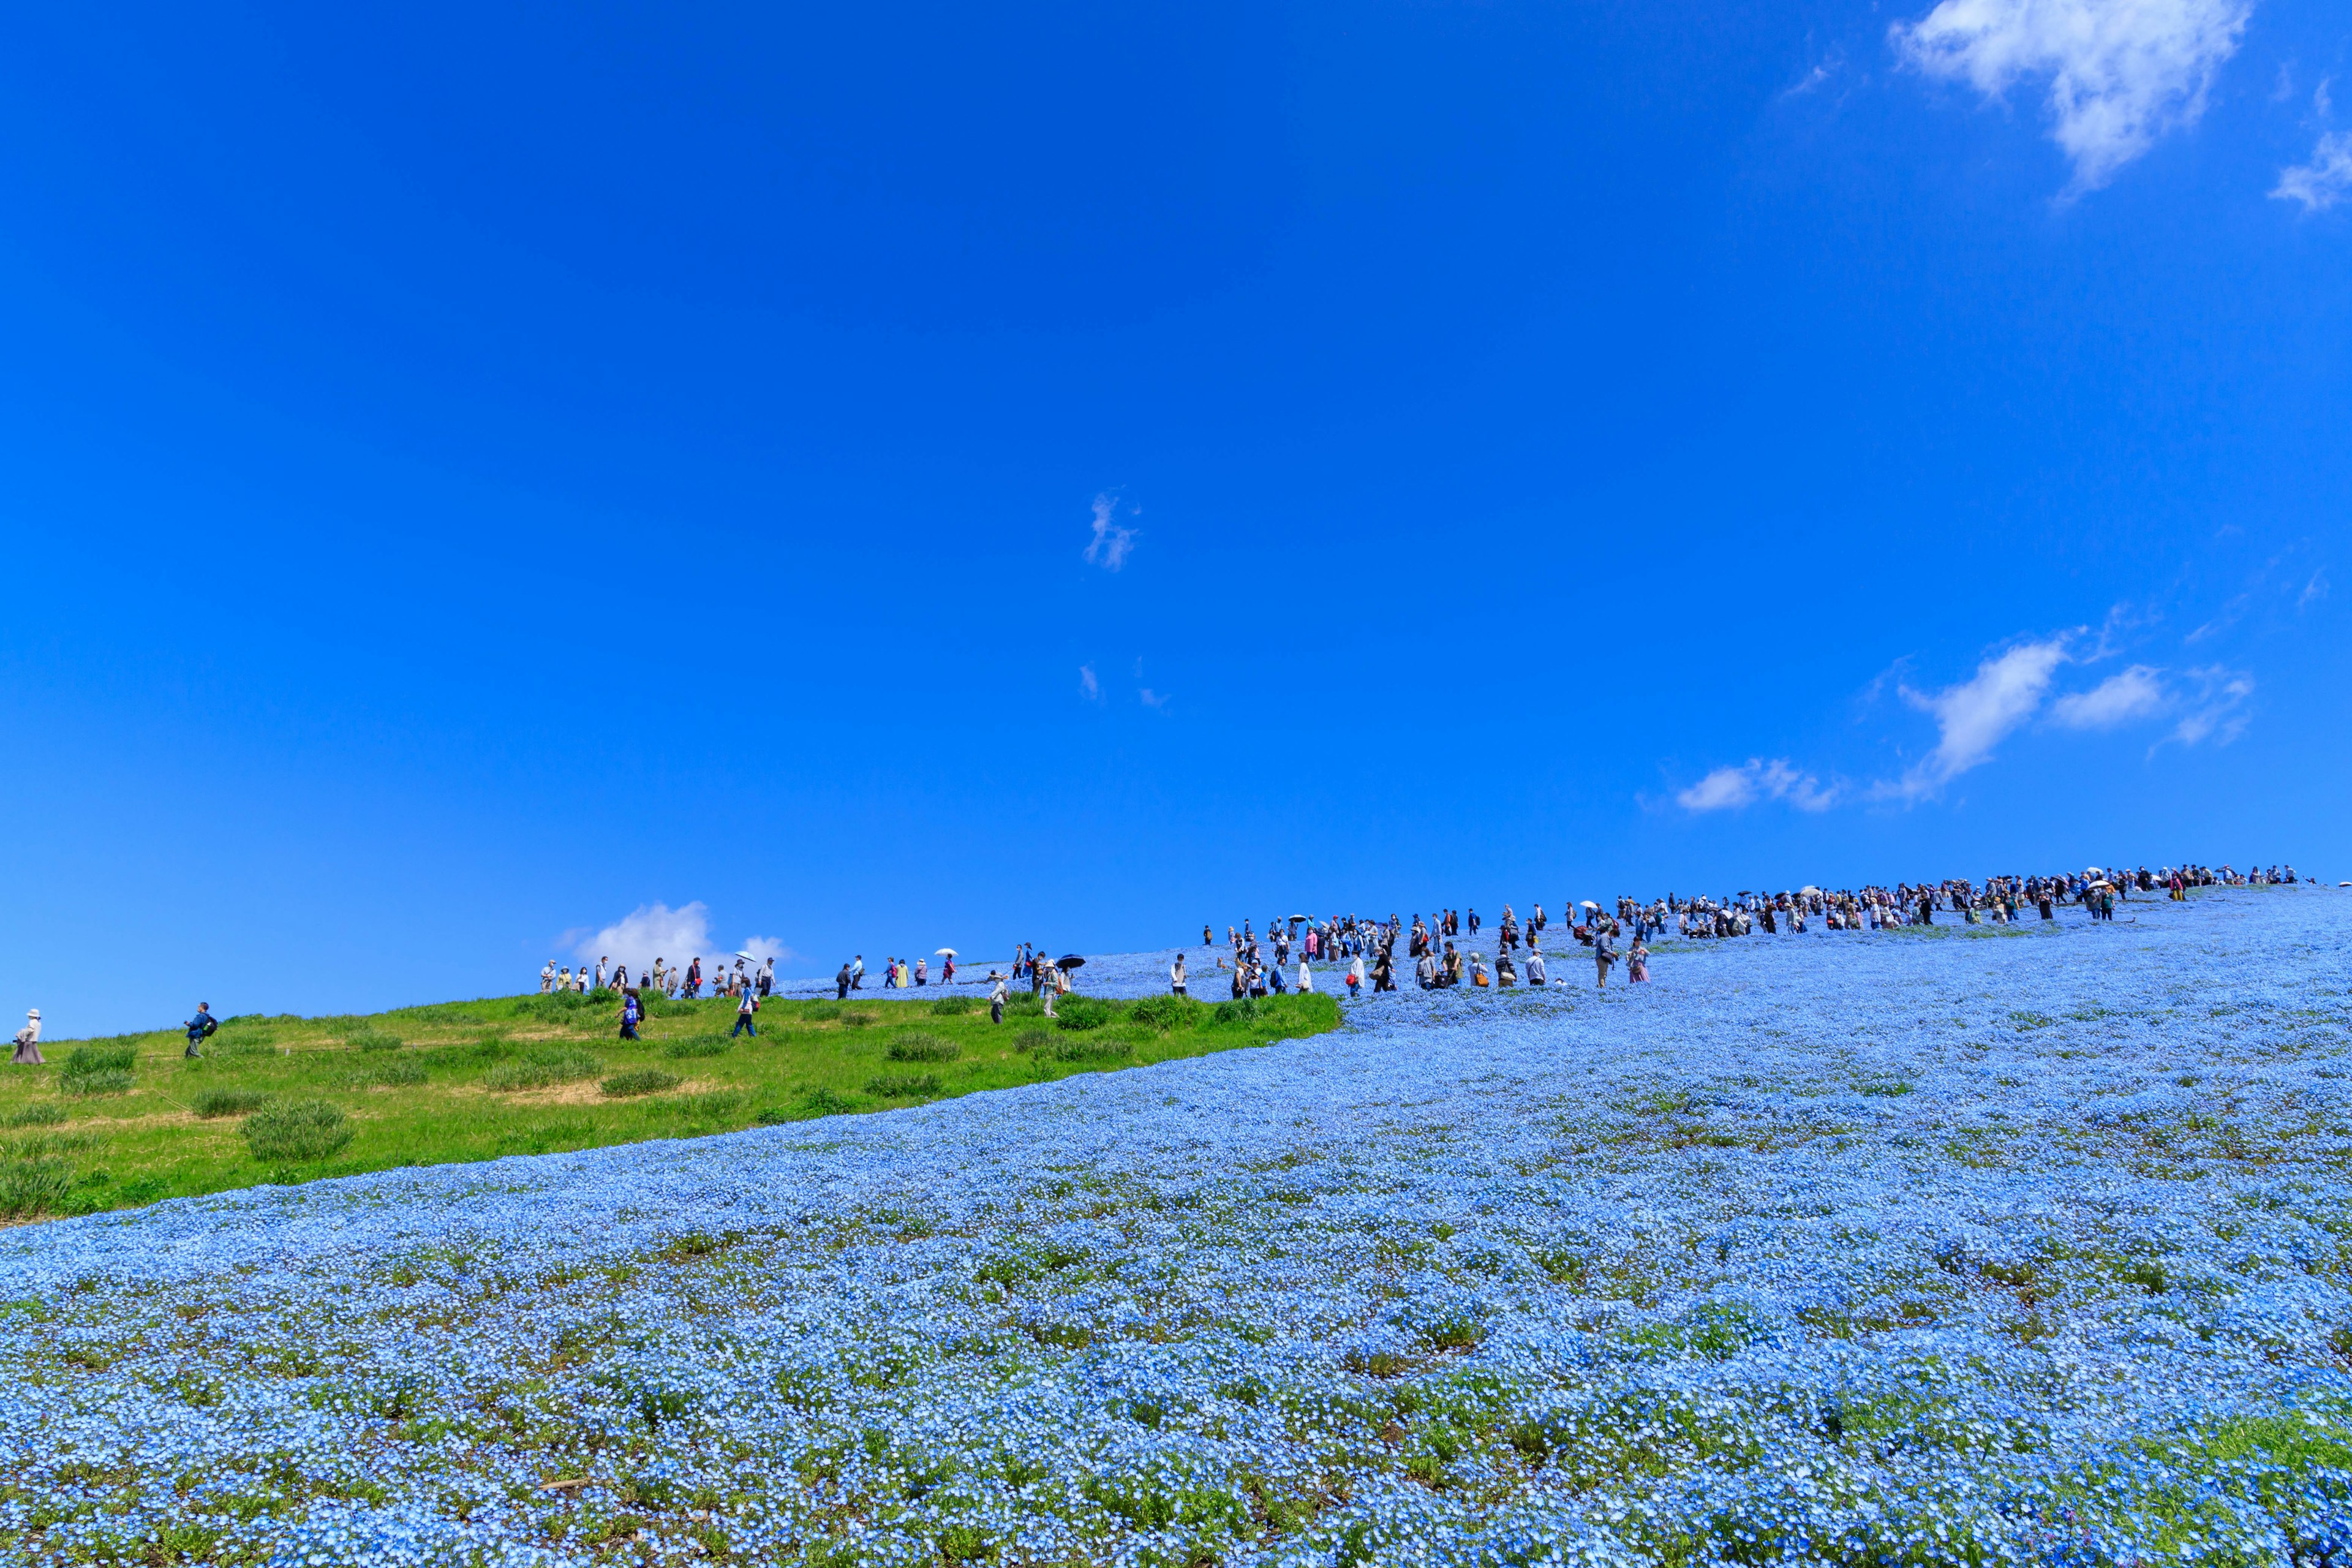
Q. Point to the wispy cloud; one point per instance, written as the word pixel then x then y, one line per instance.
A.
pixel 1088 687
pixel 2216 712
pixel 2323 182
pixel 2313 591
pixel 1975 716
pixel 763 948
pixel 2136 693
pixel 1729 788
pixel 2121 73
pixel 1151 699
pixel 1113 540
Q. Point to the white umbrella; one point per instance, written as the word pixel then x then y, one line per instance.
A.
pixel 1809 889
pixel 743 956
pixel 945 952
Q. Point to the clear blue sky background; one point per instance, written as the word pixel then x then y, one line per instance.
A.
pixel 470 472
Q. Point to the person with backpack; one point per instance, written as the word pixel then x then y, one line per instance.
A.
pixel 747 1003
pixel 201 1026
pixel 632 1010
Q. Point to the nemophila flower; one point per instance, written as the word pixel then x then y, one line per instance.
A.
pixel 1903 1247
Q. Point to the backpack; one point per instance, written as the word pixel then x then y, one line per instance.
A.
pixel 211 1024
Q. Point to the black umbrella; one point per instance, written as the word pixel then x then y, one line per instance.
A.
pixel 1069 961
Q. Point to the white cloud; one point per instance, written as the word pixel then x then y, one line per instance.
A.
pixel 1088 687
pixel 1729 788
pixel 2135 693
pixel 763 948
pixel 1152 698
pixel 2325 181
pixel 651 931
pixel 2313 591
pixel 1112 542
pixel 2213 714
pixel 1978 713
pixel 2121 73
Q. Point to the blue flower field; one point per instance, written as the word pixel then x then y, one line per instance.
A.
pixel 1954 1245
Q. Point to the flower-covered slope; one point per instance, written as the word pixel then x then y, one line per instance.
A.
pixel 1915 1247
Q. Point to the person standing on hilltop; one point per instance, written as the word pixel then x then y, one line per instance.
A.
pixel 841 984
pixel 547 978
pixel 29 1042
pixel 599 971
pixel 1176 977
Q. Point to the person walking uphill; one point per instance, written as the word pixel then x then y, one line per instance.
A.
pixel 632 1010
pixel 747 1003
pixel 29 1042
pixel 201 1026
pixel 996 997
pixel 1604 954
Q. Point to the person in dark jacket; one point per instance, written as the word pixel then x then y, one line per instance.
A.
pixel 201 1026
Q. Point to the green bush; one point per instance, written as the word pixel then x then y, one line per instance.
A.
pixel 954 1007
pixel 1244 1011
pixel 639 1081
pixel 903 1085
pixel 1094 1050
pixel 405 1072
pixel 214 1103
pixel 29 1187
pixel 1031 1040
pixel 285 1129
pixel 697 1046
pixel 102 1058
pixel 37 1113
pixel 1083 1013
pixel 916 1046
pixel 1163 1012
pixel 825 1102
pixel 373 1039
pixel 104 1081
pixel 544 1067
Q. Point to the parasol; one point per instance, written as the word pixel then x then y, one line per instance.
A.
pixel 1068 961
pixel 1589 904
pixel 945 953
pixel 743 956
pixel 1809 889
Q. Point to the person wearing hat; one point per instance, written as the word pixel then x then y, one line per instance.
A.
pixel 996 997
pixel 29 1042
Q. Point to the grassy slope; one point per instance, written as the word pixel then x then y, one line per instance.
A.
pixel 146 1142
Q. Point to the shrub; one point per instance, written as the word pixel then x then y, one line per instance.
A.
pixel 295 1130
pixel 1094 1050
pixel 406 1072
pixel 1083 1013
pixel 825 1102
pixel 916 1046
pixel 852 1020
pixel 697 1046
pixel 102 1058
pixel 639 1081
pixel 37 1113
pixel 1031 1039
pixel 1162 1013
pixel 29 1187
pixel 954 1007
pixel 373 1039
pixel 543 1069
pixel 103 1081
pixel 1244 1011
pixel 214 1103
pixel 903 1085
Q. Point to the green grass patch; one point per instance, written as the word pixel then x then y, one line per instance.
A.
pixel 424 1102
pixel 284 1130
pixel 637 1081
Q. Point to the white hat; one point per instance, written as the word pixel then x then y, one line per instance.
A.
pixel 32 1013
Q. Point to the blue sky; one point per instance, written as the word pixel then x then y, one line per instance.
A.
pixel 910 476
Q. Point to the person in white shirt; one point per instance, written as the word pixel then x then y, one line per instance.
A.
pixel 29 1042
pixel 1176 977
pixel 600 973
pixel 1305 975
pixel 547 978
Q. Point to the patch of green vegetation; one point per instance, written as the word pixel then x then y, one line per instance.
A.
pixel 639 1081
pixel 173 1130
pixel 283 1130
pixel 915 1046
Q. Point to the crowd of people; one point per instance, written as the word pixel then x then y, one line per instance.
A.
pixel 661 977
